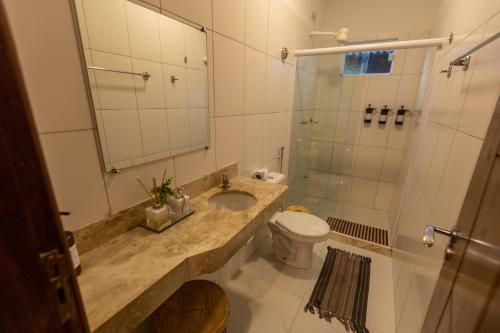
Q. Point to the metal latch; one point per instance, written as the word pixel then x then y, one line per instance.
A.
pixel 453 234
pixel 58 271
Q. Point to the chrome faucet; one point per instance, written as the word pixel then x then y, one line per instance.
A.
pixel 225 181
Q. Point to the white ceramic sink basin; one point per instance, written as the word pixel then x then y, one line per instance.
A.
pixel 232 200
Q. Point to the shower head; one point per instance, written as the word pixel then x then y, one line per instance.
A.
pixel 341 36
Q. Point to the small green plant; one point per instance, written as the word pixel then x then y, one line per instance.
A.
pixel 165 190
pixel 159 193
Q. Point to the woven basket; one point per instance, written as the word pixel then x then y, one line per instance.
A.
pixel 198 306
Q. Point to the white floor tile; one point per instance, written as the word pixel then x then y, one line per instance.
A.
pixel 257 306
pixel 268 296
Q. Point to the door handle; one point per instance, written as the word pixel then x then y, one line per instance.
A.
pixel 430 230
pixel 453 234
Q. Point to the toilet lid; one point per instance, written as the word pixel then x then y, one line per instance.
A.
pixel 303 224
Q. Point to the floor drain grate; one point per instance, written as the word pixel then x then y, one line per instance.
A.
pixel 361 231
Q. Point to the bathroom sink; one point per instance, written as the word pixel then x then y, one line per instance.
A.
pixel 232 200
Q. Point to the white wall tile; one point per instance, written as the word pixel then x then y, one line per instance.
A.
pixel 256 23
pixel 458 86
pixel 92 81
pixel 339 187
pixel 343 159
pixel 156 3
pixel 197 88
pixel 143 31
pixel 171 41
pixel 123 134
pixel 107 26
pixel 196 48
pixel 82 24
pixel 116 90
pixel 484 86
pixel 317 184
pixel 341 126
pixel 438 164
pixel 346 91
pixel 457 175
pixel 321 155
pixel 383 91
pixel 198 11
pixel 330 92
pixel 276 80
pixel 398 133
pixel 384 196
pixel 354 127
pixel 363 192
pixel 178 122
pixel 84 195
pixel 253 143
pixel 390 167
pixel 229 18
pixel 279 27
pixel 229 140
pixel 272 136
pixel 151 92
pixel 175 93
pixel 198 126
pixel 255 81
pixel 154 130
pixel 375 134
pixel 324 130
pixel 369 162
pixel 123 189
pixel 198 163
pixel 229 76
pixel 359 93
pixel 407 91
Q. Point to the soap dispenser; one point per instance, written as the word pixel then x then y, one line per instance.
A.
pixel 180 205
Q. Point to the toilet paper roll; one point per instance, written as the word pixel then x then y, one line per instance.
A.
pixel 261 174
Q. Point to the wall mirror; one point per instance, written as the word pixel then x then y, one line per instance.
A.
pixel 148 81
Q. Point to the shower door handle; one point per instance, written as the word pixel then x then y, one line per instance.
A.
pixel 311 121
pixel 453 234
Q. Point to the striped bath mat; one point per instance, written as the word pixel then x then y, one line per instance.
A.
pixel 341 290
pixel 361 231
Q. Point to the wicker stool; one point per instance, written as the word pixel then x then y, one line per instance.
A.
pixel 198 306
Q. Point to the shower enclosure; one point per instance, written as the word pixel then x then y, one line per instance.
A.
pixel 342 166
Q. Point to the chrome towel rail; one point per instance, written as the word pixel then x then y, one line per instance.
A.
pixel 145 75
pixel 464 59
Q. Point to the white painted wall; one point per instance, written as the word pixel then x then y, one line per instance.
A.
pixel 368 17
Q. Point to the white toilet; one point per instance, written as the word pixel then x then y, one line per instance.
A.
pixel 294 234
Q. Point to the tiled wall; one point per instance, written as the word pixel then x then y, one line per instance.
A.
pixel 141 121
pixel 362 159
pixel 250 96
pixel 448 140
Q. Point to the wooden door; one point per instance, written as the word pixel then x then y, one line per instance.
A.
pixel 38 289
pixel 467 294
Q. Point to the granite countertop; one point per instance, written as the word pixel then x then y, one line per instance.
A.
pixel 124 280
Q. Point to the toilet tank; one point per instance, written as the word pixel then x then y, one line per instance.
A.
pixel 276 178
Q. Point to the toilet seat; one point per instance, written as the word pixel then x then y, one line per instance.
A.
pixel 302 225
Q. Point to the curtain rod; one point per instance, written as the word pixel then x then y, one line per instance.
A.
pixel 407 44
